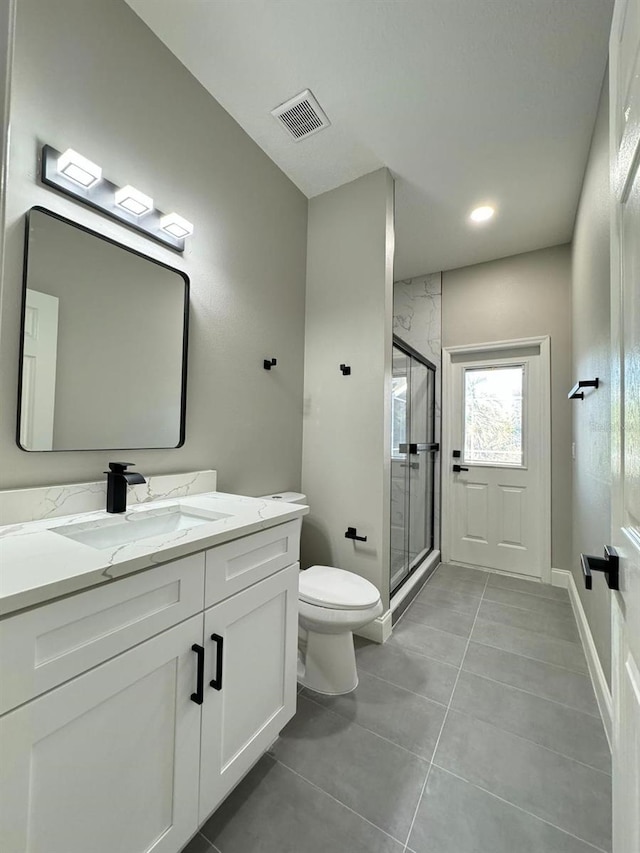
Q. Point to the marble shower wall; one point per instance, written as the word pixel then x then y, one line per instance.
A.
pixel 417 319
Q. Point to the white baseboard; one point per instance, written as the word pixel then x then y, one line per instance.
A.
pixel 560 577
pixel 379 630
pixel 565 579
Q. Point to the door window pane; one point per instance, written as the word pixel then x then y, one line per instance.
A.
pixel 493 415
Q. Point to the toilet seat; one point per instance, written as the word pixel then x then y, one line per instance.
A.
pixel 336 589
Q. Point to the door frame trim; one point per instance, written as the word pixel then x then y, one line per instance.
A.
pixel 544 343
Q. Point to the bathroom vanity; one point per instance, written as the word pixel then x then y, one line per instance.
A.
pixel 143 671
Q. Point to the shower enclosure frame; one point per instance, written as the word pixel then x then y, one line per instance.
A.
pixel 431 446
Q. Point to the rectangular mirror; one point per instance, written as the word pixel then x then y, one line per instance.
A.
pixel 103 361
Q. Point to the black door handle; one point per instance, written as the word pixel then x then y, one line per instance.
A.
pixel 458 468
pixel 198 696
pixel 216 683
pixel 608 565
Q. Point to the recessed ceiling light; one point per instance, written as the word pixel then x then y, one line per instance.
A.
pixel 482 214
pixel 78 169
pixel 133 200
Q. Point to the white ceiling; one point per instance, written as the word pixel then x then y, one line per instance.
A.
pixel 466 101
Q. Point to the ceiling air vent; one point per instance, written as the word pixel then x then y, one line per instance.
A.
pixel 302 115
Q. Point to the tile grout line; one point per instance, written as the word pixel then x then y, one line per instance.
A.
pixel 534 742
pixel 513 734
pixel 437 743
pixel 370 731
pixel 336 800
pixel 506 684
pixel 520 809
pixel 406 689
pixel 528 657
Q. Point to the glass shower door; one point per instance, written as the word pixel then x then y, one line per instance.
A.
pixel 399 467
pixel 412 461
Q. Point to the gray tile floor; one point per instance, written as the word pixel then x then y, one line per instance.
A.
pixel 474 729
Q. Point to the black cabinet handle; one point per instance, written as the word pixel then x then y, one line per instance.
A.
pixel 216 683
pixel 352 533
pixel 608 565
pixel 198 696
pixel 458 468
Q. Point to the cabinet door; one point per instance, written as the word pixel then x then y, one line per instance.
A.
pixel 109 761
pixel 258 631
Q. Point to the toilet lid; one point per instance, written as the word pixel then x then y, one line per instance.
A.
pixel 326 586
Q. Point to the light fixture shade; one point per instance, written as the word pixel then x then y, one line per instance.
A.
pixel 482 214
pixel 133 201
pixel 78 169
pixel 174 224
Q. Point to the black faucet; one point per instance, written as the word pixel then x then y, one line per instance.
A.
pixel 118 478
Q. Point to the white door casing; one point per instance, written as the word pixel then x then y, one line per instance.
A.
pixel 498 515
pixel 39 360
pixel 624 70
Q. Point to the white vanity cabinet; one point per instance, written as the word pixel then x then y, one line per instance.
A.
pixel 253 636
pixel 102 746
pixel 108 761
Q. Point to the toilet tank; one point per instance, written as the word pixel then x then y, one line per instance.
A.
pixel 286 497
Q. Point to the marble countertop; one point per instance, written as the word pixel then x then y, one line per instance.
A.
pixel 37 564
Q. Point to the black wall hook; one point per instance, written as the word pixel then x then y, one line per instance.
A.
pixel 268 363
pixel 352 533
pixel 576 393
pixel 346 370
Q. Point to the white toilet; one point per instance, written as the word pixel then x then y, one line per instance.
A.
pixel 332 604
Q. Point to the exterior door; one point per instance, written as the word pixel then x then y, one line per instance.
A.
pixel 495 464
pixel 251 641
pixel 624 67
pixel 108 761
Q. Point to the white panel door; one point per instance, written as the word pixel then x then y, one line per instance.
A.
pixel 495 513
pixel 624 67
pixel 39 360
pixel 109 761
pixel 251 642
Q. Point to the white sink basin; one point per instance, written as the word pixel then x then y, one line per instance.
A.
pixel 123 530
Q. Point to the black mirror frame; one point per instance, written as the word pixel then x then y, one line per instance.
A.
pixel 185 332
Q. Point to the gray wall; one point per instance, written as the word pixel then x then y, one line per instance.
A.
pixel 346 450
pixel 89 74
pixel 518 297
pixel 591 358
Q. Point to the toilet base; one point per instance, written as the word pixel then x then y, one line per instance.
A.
pixel 329 663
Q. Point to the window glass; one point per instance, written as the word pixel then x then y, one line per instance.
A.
pixel 493 415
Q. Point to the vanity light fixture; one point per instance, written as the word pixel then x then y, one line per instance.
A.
pixel 133 201
pixel 176 225
pixel 78 169
pixel 76 176
pixel 482 214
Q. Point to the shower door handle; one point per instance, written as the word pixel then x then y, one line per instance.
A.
pixel 411 449
pixel 419 447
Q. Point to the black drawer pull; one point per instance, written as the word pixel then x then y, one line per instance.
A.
pixel 198 696
pixel 216 683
